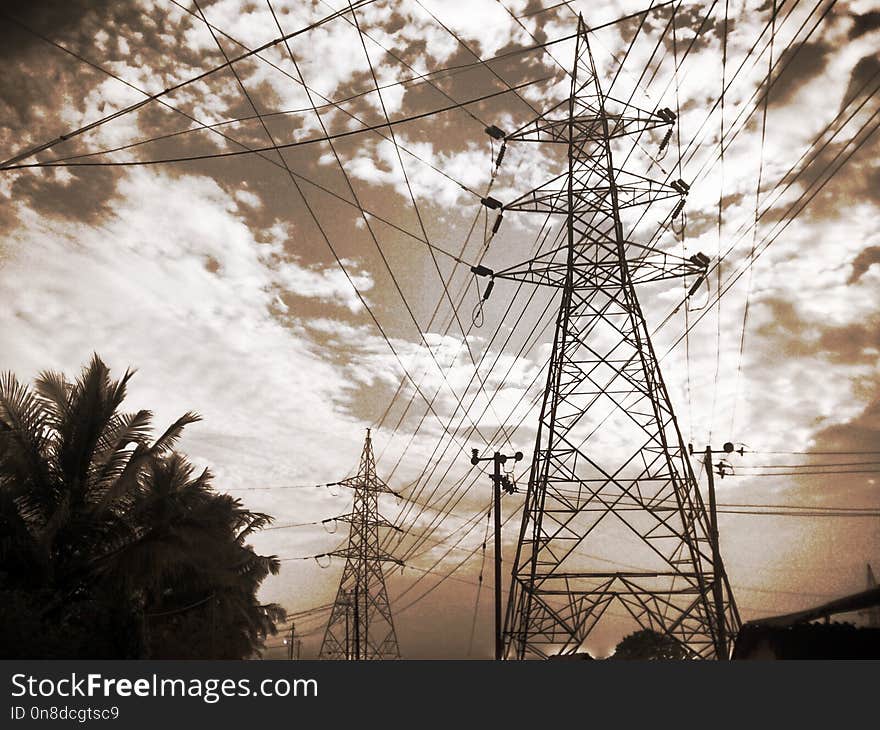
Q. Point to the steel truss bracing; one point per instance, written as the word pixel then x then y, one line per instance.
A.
pixel 614 530
pixel 360 624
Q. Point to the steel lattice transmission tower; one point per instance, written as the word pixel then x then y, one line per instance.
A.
pixel 613 528
pixel 360 624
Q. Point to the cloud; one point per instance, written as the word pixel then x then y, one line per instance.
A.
pixel 175 282
pixel 863 262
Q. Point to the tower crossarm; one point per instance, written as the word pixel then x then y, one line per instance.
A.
pixel 355 518
pixel 591 197
pixel 355 553
pixel 556 125
pixel 372 484
pixel 645 265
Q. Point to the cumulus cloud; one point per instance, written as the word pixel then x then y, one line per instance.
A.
pixel 216 283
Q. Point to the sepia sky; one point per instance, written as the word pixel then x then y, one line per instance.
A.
pixel 231 290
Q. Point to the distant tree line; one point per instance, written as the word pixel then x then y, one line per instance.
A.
pixel 111 545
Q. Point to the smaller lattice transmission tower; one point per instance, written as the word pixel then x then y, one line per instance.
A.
pixel 361 625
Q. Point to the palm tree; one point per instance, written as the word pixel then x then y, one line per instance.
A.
pixel 99 525
pixel 194 565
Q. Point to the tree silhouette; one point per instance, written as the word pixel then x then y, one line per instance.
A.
pixel 109 545
pixel 648 645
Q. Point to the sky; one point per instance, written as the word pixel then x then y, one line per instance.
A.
pixel 252 288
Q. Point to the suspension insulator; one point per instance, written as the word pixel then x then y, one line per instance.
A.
pixel 497 224
pixel 500 156
pixel 489 288
pixel 666 140
pixel 696 285
pixel 492 203
pixel 678 208
pixel 481 270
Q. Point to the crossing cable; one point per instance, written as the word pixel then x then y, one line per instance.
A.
pixel 282 146
pixel 211 128
pixel 479 584
pixel 415 208
pixel 366 220
pixel 691 150
pixel 448 573
pixel 326 237
pixel 770 238
pixel 454 495
pixel 446 331
pixel 792 176
pixel 693 146
pixel 413 499
pixel 462 293
pixel 397 58
pixel 477 56
pixel 792 179
pixel 720 220
pixel 735 133
pixel 667 319
pixel 154 97
pixel 451 492
pixel 449 504
pixel 794 172
pixel 486 351
pixel 420 78
pixel 684 284
pixel 532 36
pixel 508 54
pixel 450 501
pixel 750 109
pixel 425 476
pixel 745 321
pixel 463 290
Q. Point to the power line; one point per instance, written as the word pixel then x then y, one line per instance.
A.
pixel 154 97
pixel 9 165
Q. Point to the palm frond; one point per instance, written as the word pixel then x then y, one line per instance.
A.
pixel 54 388
pixel 167 440
pixel 24 440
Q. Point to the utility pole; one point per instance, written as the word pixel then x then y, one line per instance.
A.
pixel 357 625
pixel 499 482
pixel 719 575
pixel 611 481
pixel 291 641
pixel 360 624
